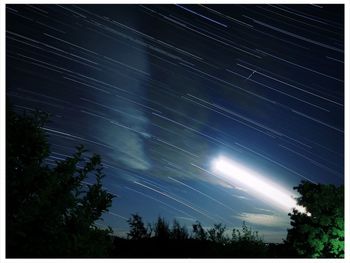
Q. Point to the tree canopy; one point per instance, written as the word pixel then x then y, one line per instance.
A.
pixel 51 211
pixel 138 230
pixel 321 232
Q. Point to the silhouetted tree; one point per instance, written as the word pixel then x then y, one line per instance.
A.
pixel 217 234
pixel 320 233
pixel 246 234
pixel 137 228
pixel 247 243
pixel 199 232
pixel 178 232
pixel 50 212
pixel 161 229
pixel 175 242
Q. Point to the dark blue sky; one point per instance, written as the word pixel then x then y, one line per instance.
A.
pixel 159 91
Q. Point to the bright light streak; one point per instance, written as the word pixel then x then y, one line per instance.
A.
pixel 258 184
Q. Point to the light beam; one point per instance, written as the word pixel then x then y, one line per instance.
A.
pixel 234 172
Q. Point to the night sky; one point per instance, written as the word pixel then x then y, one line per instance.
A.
pixel 160 91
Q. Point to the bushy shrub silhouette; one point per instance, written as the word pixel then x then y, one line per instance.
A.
pixel 50 211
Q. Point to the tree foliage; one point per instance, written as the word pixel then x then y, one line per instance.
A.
pixel 246 234
pixel 175 241
pixel 199 232
pixel 178 232
pixel 161 229
pixel 51 211
pixel 248 242
pixel 138 230
pixel 217 234
pixel 321 233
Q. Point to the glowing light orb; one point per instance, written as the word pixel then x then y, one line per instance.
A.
pixel 257 184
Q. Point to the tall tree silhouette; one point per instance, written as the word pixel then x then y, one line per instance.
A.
pixel 199 232
pixel 50 211
pixel 137 228
pixel 161 229
pixel 178 232
pixel 217 234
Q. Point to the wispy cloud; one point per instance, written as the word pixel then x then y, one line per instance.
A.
pixel 127 145
pixel 130 126
pixel 265 211
pixel 240 197
pixel 263 219
pixel 132 147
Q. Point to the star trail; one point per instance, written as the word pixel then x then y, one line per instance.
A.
pixel 160 91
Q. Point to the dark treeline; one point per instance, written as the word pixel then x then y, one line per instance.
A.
pixel 165 240
pixel 51 212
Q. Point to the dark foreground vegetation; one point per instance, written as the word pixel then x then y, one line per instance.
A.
pixel 51 212
pixel 175 241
